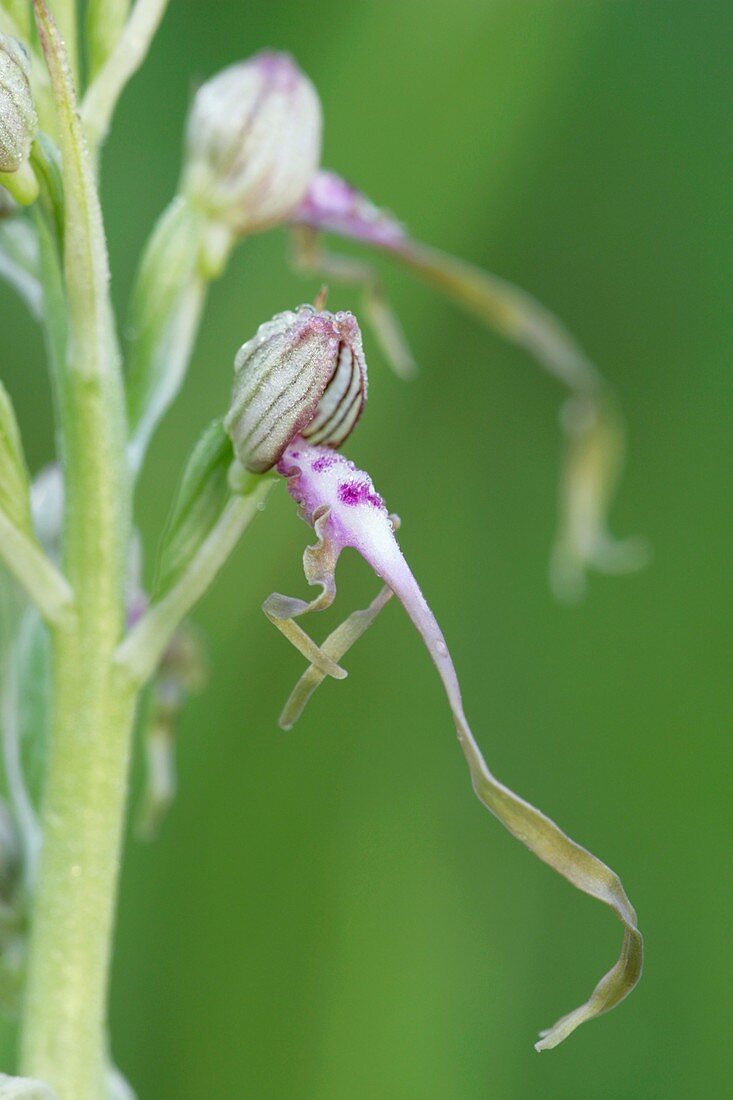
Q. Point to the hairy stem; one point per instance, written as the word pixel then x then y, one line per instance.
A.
pixel 104 22
pixel 64 1025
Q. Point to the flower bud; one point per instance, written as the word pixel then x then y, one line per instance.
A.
pixel 253 142
pixel 18 122
pixel 304 373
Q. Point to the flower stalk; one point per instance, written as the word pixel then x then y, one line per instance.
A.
pixel 64 1030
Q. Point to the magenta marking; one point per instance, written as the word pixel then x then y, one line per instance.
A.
pixel 353 493
pixel 325 462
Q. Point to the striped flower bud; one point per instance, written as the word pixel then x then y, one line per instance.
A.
pixel 18 122
pixel 304 373
pixel 253 142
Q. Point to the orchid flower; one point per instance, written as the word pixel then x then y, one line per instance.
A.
pixel 583 542
pixel 299 387
pixel 341 504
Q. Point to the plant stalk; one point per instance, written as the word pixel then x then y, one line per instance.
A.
pixel 64 1041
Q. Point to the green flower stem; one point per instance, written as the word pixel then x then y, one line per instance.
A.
pixel 64 1026
pixel 63 1040
pixel 124 61
pixel 46 586
pixel 104 22
pixel 139 654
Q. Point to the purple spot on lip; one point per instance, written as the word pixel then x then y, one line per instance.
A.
pixel 358 492
pixel 325 462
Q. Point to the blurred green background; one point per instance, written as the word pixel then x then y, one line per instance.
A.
pixel 329 913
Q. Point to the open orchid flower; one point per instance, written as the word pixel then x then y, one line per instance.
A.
pixel 341 504
pixel 298 386
pixel 583 542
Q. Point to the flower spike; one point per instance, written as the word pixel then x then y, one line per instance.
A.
pixel 341 502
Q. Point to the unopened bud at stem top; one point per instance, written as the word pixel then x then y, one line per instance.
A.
pixel 304 373
pixel 253 142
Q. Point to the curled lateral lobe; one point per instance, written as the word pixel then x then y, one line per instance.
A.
pixel 341 503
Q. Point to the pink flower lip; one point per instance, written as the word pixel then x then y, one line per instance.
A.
pixel 343 507
pixel 333 205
